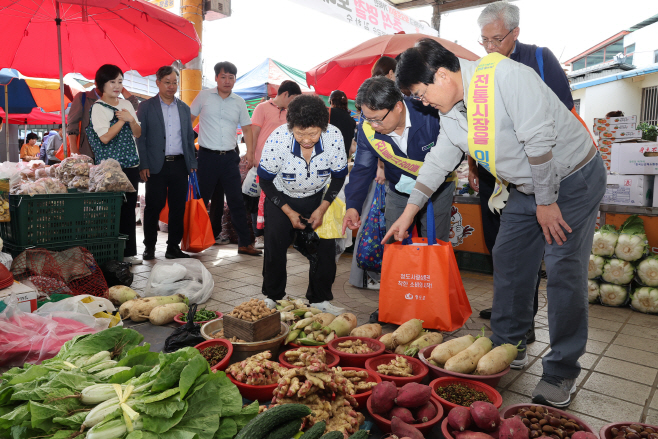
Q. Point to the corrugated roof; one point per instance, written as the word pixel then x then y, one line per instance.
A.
pixel 611 78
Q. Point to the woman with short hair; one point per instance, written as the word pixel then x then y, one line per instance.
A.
pixel 299 159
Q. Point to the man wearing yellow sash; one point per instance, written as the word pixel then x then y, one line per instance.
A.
pixel 550 176
pixel 401 132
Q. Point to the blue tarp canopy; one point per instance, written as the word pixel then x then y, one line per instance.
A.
pixel 264 80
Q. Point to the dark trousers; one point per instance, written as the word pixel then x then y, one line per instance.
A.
pixel 219 176
pixel 491 222
pixel 279 234
pixel 128 218
pixel 168 185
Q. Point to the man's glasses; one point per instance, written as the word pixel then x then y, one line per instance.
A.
pixel 421 97
pixel 495 42
pixel 377 122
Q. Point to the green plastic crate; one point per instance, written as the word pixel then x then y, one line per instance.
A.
pixel 474 262
pixel 44 219
pixel 103 250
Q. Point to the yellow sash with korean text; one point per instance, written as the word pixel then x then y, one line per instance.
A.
pixel 482 124
pixel 386 152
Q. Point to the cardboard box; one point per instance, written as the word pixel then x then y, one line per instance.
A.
pixel 636 157
pixel 631 190
pixel 606 121
pixel 27 297
pixel 620 134
pixel 614 126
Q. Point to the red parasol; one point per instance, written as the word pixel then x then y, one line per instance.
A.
pixel 348 70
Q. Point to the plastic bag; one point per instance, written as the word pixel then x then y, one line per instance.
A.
pixel 167 278
pixel 5 258
pixel 332 221
pixel 117 273
pixel 82 304
pixel 307 242
pixel 32 338
pixel 250 186
pixel 108 177
pixel 187 335
pixel 79 182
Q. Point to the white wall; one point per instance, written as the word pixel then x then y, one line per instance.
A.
pixel 624 95
pixel 646 42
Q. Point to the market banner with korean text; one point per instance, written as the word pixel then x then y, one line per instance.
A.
pixel 375 16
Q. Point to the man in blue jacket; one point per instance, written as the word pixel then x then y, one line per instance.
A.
pixel 499 24
pixel 400 131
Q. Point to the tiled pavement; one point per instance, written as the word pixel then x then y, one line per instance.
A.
pixel 620 368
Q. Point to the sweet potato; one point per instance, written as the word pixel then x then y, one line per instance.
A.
pixel 460 418
pixel 163 314
pixel 407 332
pixel 583 435
pixel 467 360
pixel 383 397
pixel 497 360
pixel 485 415
pixel 402 413
pixel 402 429
pixel 413 395
pixel 472 435
pixel 370 330
pixel 445 351
pixel 513 428
pixel 426 412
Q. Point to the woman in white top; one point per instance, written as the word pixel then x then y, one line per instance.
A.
pixel 112 131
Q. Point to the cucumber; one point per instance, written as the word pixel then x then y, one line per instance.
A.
pixel 315 432
pixel 271 419
pixel 333 435
pixel 286 431
pixel 361 434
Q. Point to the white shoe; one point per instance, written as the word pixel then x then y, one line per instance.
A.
pixel 222 241
pixel 260 242
pixel 271 304
pixel 133 260
pixel 372 284
pixel 327 307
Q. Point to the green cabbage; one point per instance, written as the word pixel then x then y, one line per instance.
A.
pixel 645 300
pixel 647 271
pixel 593 291
pixel 618 272
pixel 595 268
pixel 605 240
pixel 613 295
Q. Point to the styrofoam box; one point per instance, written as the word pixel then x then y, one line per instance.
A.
pixel 606 121
pixel 634 157
pixel 630 190
pixel 27 297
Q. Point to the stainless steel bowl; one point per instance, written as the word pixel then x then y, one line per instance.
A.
pixel 245 350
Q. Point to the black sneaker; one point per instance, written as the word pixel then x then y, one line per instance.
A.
pixel 149 254
pixel 374 317
pixel 530 335
pixel 485 313
pixel 175 253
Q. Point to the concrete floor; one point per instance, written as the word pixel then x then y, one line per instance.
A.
pixel 620 368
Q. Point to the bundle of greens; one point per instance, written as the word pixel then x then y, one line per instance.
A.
pixel 140 395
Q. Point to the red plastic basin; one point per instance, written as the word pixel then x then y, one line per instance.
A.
pixel 494 396
pixel 222 365
pixel 362 397
pixel 356 360
pixel 262 394
pixel 438 372
pixel 605 432
pixel 332 360
pixel 424 427
pixel 420 371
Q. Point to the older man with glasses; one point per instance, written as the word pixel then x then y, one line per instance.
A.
pixel 499 25
pixel 400 131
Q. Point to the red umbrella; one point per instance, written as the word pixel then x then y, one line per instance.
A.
pixel 36 117
pixel 50 38
pixel 348 70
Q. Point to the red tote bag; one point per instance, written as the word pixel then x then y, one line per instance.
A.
pixel 420 280
pixel 198 234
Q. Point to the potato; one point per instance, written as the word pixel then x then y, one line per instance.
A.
pixel 370 330
pixel 140 311
pixel 163 314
